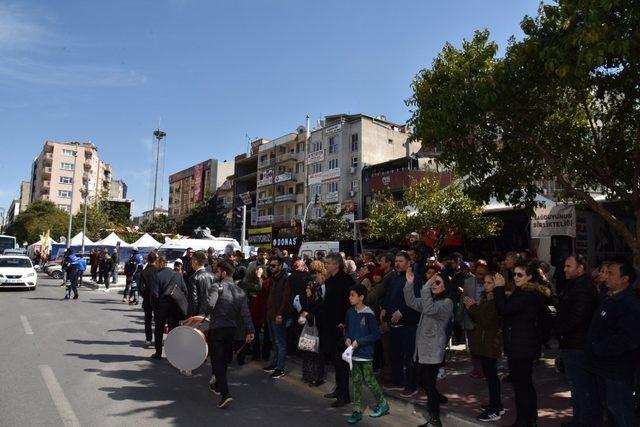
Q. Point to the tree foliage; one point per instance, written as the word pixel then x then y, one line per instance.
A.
pixel 207 213
pixel 387 221
pixel 437 212
pixel 331 226
pixel 561 104
pixel 159 224
pixel 36 219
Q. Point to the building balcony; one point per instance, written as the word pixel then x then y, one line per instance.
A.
pixel 44 191
pixel 286 176
pixel 266 163
pixel 287 157
pixel 47 159
pixel 46 172
pixel 46 184
pixel 87 165
pixel 287 198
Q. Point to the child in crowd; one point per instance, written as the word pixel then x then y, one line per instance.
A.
pixel 361 332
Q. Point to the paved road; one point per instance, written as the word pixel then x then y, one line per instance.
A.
pixel 84 363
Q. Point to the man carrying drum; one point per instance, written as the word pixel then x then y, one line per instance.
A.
pixel 225 303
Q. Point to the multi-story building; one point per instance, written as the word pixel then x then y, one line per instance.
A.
pixel 244 181
pixel 117 190
pixel 12 212
pixel 190 186
pixel 339 149
pixel 63 168
pixel 394 176
pixel 225 198
pixel 281 179
pixel 25 193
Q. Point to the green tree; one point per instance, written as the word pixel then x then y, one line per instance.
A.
pixel 97 220
pixel 207 213
pixel 331 226
pixel 387 221
pixel 561 104
pixel 159 224
pixel 38 217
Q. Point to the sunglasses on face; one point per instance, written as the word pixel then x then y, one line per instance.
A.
pixel 520 275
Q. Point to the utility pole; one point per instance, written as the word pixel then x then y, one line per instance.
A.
pixel 73 188
pixel 244 227
pixel 159 135
pixel 84 222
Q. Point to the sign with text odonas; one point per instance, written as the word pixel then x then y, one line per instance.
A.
pixel 559 220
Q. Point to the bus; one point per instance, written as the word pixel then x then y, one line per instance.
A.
pixel 7 242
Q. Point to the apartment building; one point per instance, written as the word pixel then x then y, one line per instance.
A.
pixel 118 190
pixel 244 181
pixel 225 198
pixel 338 150
pixel 281 179
pixel 63 168
pixel 190 186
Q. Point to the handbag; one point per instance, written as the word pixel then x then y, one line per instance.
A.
pixel 309 339
pixel 175 294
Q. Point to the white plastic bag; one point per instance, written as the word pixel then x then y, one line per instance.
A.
pixel 347 355
pixel 309 339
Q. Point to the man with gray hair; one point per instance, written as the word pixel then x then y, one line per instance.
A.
pixel 333 312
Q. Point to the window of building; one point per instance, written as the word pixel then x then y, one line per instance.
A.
pixel 355 185
pixel 315 189
pixel 354 142
pixel 318 212
pixel 300 147
pixel 66 166
pixel 300 167
pixel 354 162
pixel 66 194
pixel 66 152
pixel 64 207
pixel 317 167
pixel 316 146
pixel 333 145
pixel 66 180
pixel 332 186
pixel 333 164
pixel 299 188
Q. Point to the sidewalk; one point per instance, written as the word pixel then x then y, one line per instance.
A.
pixel 466 394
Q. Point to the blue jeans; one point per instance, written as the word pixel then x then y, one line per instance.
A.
pixel 578 379
pixel 616 397
pixel 403 344
pixel 279 339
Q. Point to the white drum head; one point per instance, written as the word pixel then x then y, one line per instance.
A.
pixel 186 348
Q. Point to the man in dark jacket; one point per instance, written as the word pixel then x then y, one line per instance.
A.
pixel 577 304
pixel 279 306
pixel 148 282
pixel 200 281
pixel 166 311
pixel 186 262
pixel 403 322
pixel 611 348
pixel 332 317
pixel 225 303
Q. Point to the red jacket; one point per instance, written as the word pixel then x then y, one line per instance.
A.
pixel 259 307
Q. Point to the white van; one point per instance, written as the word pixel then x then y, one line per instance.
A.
pixel 311 248
pixel 174 249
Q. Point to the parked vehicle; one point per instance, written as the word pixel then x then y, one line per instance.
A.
pixel 312 248
pixel 174 249
pixel 7 242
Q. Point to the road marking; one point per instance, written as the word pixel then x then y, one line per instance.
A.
pixel 63 406
pixel 26 325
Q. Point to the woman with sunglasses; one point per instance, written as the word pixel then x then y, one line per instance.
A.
pixel 520 316
pixel 436 309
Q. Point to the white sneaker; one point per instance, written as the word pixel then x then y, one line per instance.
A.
pixel 212 380
pixel 107 290
pixel 441 373
pixel 186 373
pixel 147 343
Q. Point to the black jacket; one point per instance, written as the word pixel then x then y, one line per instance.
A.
pixel 333 311
pixel 148 282
pixel 614 336
pixel 578 301
pixel 226 302
pixel 519 319
pixel 298 281
pixel 197 286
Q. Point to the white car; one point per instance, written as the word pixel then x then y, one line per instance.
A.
pixel 16 271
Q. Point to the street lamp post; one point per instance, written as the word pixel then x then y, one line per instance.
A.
pixel 84 222
pixel 73 187
pixel 159 135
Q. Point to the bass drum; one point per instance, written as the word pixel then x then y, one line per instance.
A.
pixel 186 345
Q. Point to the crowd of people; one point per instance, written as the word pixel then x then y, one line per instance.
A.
pixel 386 318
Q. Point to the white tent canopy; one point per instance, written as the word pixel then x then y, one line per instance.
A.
pixel 77 240
pixel 146 241
pixel 496 206
pixel 112 240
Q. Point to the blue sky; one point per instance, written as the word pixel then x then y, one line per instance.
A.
pixel 214 71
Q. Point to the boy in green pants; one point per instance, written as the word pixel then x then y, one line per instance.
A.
pixel 361 333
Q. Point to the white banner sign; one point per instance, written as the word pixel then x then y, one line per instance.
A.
pixel 331 174
pixel 315 178
pixel 333 129
pixel 556 221
pixel 315 157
